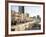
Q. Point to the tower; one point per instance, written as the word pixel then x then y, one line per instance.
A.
pixel 21 9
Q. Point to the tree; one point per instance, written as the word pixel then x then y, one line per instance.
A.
pixel 38 17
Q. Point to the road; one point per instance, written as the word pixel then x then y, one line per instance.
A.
pixel 22 27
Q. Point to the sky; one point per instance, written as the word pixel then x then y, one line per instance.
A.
pixel 32 10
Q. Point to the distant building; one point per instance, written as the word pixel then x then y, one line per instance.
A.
pixel 21 9
pixel 12 15
pixel 20 16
